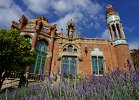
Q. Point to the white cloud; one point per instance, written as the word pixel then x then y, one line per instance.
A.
pixel 62 23
pixel 38 6
pixel 134 44
pixel 62 6
pixel 64 9
pixel 129 29
pixel 105 34
pixel 42 6
pixel 9 12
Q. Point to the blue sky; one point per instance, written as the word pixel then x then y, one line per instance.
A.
pixel 89 15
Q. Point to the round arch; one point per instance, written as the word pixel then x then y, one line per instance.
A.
pixel 26 34
pixel 46 40
pixel 67 44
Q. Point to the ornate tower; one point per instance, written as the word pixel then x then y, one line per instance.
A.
pixel 118 38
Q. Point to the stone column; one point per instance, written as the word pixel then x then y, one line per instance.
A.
pixel 51 47
pixel 122 32
pixel 34 40
pixel 112 33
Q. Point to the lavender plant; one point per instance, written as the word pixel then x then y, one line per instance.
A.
pixel 118 85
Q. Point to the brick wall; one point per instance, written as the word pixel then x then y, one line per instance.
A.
pixel 85 65
pixel 122 54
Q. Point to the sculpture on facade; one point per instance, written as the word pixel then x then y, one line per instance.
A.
pixel 70 28
pixel 23 21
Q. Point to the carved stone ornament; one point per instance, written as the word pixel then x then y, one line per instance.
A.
pixel 96 52
pixel 70 28
pixel 117 42
pixel 39 23
pixel 23 21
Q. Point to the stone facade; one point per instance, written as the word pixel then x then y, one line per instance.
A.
pixel 110 54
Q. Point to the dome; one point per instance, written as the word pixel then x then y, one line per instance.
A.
pixel 110 10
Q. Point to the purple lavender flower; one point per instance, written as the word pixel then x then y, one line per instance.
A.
pixel 14 95
pixel 33 89
pixel 62 98
pixel 32 97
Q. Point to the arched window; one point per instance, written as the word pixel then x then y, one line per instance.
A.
pixel 75 50
pixel 118 28
pixel 97 62
pixel 41 46
pixel 70 48
pixel 39 65
pixel 114 31
pixel 64 49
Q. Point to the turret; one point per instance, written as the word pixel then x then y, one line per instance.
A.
pixel 115 26
pixel 118 38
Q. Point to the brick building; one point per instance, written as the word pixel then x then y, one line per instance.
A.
pixel 71 54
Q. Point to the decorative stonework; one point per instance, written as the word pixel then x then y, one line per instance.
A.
pixel 120 42
pixel 75 50
pixel 113 18
pixel 24 33
pixel 96 52
pixel 94 41
pixel 30 25
pixel 70 29
pixel 23 21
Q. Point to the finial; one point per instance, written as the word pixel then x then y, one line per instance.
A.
pixel 109 6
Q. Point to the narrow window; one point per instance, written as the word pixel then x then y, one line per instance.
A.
pixel 100 65
pixel 118 28
pixel 64 49
pixel 39 64
pixel 97 65
pixel 75 50
pixel 114 31
pixel 94 64
pixel 110 32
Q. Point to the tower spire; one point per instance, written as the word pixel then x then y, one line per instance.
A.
pixel 115 26
pixel 117 37
pixel 110 9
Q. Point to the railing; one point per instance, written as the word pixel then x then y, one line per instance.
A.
pixel 14 78
pixel 15 75
pixel 36 77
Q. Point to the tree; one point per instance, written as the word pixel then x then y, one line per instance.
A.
pixel 15 53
